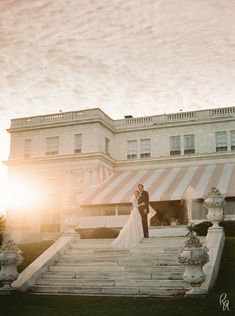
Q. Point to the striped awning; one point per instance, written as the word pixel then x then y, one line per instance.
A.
pixel 165 184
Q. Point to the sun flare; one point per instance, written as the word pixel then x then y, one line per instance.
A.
pixel 23 193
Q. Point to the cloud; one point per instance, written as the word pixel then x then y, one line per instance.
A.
pixel 122 56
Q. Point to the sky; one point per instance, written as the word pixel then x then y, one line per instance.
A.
pixel 138 57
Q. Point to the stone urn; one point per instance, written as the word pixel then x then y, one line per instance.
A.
pixel 214 202
pixel 193 257
pixel 72 207
pixel 10 258
pixel 71 212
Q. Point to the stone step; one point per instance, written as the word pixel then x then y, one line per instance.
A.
pixel 93 267
pixel 84 245
pixel 95 253
pixel 162 260
pixel 77 262
pixel 111 282
pixel 94 240
pixel 169 268
pixel 121 262
pixel 154 250
pixel 165 275
pixel 156 244
pixel 91 252
pixel 76 282
pixel 115 257
pixel 109 240
pixel 107 250
pixel 85 268
pixel 89 258
pixel 112 291
pixel 149 261
pixel 146 242
pixel 110 269
pixel 158 241
pixel 166 231
pixel 161 242
pixel 144 250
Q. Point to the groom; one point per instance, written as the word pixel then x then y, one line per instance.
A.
pixel 143 202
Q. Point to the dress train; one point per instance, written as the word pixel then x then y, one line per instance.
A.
pixel 132 232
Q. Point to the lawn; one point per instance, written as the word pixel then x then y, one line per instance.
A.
pixel 43 305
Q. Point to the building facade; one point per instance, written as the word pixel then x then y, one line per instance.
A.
pixel 81 167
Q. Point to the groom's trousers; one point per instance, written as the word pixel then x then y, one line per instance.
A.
pixel 144 218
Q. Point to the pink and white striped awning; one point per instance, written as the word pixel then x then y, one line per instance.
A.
pixel 165 184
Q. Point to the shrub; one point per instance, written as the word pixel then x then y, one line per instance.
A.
pixel 201 228
pixel 99 233
pixel 228 225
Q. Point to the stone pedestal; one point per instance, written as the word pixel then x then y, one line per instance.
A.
pixel 215 240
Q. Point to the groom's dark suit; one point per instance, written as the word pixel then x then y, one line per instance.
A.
pixel 144 198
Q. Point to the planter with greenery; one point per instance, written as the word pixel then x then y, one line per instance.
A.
pixel 214 202
pixel 193 257
pixel 10 258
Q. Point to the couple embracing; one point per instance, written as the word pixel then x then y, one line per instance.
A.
pixel 136 227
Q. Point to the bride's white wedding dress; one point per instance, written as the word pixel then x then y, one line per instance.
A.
pixel 132 233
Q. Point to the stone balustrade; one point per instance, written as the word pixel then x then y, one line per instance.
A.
pixel 97 114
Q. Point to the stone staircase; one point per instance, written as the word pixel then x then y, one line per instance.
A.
pixel 92 267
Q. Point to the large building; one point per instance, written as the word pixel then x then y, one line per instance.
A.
pixel 82 167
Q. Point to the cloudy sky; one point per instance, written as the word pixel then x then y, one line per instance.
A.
pixel 139 57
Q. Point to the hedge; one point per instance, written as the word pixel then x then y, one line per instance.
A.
pixel 228 225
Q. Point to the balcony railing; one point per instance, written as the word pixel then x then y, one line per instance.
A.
pixel 128 122
pixel 223 111
pixel 61 118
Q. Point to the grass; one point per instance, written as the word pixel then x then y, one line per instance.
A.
pixel 31 252
pixel 43 305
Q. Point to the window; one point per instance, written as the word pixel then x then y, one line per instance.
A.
pixel 175 145
pixel 107 145
pixel 232 139
pixel 189 144
pixel 52 145
pixel 221 141
pixel 145 148
pixel 77 143
pixel 103 210
pixel 124 209
pixel 108 210
pixel 131 149
pixel 27 148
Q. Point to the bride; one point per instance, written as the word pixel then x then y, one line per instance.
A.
pixel 132 232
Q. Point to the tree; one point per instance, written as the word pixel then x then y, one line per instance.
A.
pixel 2 226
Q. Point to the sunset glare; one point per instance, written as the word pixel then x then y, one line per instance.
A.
pixel 23 194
